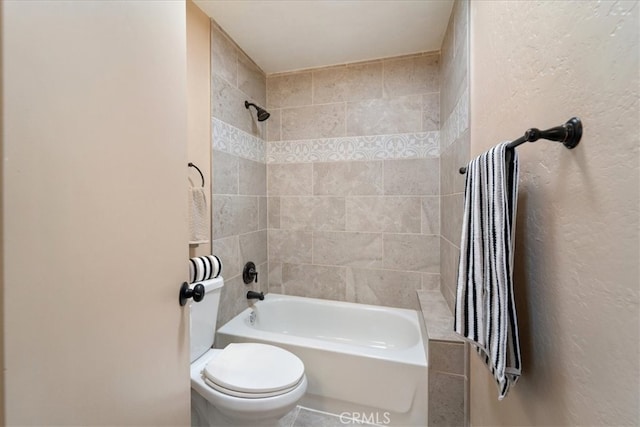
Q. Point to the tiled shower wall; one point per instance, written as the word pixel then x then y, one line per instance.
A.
pixel 454 143
pixel 354 181
pixel 448 382
pixel 239 203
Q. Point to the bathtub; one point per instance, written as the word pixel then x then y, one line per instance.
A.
pixel 363 361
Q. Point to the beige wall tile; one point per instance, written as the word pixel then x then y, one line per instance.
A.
pixel 296 212
pixel 253 247
pixel 233 298
pixel 384 213
pixel 430 215
pixel 364 81
pixel 289 90
pixel 273 214
pixel 252 81
pixel 263 213
pixel 454 74
pixel 227 104
pixel 224 56
pixel 413 74
pixel 347 178
pixel 228 250
pixel 430 112
pixel 430 282
pixel 448 271
pixel 446 357
pixel 412 252
pixel 290 179
pixel 452 210
pixel 314 121
pixel 383 287
pixel 263 278
pixel 446 399
pixel 314 281
pixel 225 173
pixel 291 246
pixel 401 114
pixel 273 125
pixel 439 318
pixel 234 215
pixel 343 248
pixel 330 85
pixel 275 277
pixel 452 158
pixel 446 60
pixel 412 177
pixel 312 213
pixel 252 177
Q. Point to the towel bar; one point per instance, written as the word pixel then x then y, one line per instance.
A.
pixel 568 134
pixel 191 165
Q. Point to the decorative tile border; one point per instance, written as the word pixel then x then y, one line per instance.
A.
pixel 234 141
pixel 457 122
pixel 378 147
pixel 231 140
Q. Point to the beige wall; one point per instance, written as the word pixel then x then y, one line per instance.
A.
pixel 94 219
pixel 2 364
pixel 353 201
pixel 199 106
pixel 576 271
pixel 239 214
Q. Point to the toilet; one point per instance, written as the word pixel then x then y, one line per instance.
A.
pixel 243 384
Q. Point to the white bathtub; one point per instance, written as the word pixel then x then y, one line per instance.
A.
pixel 368 361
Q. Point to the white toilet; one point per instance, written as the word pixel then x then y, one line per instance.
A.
pixel 243 384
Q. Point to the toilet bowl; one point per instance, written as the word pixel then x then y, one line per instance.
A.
pixel 244 383
pixel 235 399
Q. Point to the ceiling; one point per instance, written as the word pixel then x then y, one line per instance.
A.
pixel 288 35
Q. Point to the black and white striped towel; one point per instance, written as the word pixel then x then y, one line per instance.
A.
pixel 485 309
pixel 204 268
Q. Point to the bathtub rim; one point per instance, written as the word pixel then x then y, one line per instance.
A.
pixel 414 355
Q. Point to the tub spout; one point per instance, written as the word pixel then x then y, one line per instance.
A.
pixel 255 295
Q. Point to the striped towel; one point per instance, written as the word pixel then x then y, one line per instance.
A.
pixel 485 309
pixel 204 268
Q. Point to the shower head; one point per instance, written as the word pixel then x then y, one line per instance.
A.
pixel 262 113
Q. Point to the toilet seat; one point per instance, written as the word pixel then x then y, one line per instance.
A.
pixel 253 371
pixel 245 395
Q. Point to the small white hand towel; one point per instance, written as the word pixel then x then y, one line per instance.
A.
pixel 198 220
pixel 485 307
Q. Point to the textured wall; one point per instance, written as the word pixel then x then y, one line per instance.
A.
pixel 199 105
pixel 353 181
pixel 576 278
pixel 239 203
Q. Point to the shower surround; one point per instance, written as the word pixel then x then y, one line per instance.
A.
pixel 337 194
pixel 353 181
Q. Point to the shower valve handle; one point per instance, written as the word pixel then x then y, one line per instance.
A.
pixel 249 274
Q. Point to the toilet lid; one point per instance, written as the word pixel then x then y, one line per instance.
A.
pixel 254 368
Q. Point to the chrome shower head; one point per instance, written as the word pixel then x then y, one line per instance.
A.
pixel 262 113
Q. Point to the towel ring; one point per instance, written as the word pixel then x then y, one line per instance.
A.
pixel 191 165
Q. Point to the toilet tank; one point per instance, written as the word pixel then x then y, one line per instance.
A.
pixel 203 317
